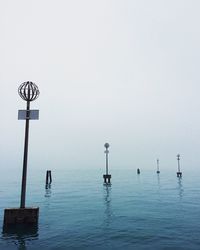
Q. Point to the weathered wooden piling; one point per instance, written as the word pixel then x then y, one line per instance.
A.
pixel 107 177
pixel 179 173
pixel 48 178
pixel 138 171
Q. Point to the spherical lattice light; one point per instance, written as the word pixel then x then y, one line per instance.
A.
pixel 28 91
pixel 106 145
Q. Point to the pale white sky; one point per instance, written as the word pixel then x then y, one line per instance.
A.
pixel 122 71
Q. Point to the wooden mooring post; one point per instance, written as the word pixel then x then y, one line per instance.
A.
pixel 48 178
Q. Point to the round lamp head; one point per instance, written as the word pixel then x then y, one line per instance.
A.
pixel 28 91
pixel 106 145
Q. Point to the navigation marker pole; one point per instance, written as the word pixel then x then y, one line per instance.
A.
pixel 106 176
pixel 179 173
pixel 158 170
pixel 29 92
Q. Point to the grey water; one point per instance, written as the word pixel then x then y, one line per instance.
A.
pixel 146 211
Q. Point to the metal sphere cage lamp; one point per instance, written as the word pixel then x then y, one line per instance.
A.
pixel 28 91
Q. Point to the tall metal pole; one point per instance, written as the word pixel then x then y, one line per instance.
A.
pixel 106 145
pixel 107 161
pixel 178 158
pixel 106 176
pixel 28 91
pixel 157 165
pixel 25 160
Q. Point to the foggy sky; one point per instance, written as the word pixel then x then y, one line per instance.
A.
pixel 124 72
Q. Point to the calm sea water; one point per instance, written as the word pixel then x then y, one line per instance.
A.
pixel 146 211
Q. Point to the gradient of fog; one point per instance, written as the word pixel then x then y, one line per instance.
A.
pixel 122 71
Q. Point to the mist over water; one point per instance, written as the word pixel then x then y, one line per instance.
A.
pixel 125 72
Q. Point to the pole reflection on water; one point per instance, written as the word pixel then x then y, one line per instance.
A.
pixel 47 199
pixel 180 188
pixel 20 235
pixel 108 207
pixel 158 181
pixel 48 190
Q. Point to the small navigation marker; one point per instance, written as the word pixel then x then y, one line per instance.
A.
pixel 138 171
pixel 158 167
pixel 179 173
pixel 106 176
pixel 29 92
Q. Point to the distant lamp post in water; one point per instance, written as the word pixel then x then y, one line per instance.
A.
pixel 29 92
pixel 106 176
pixel 158 167
pixel 179 173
